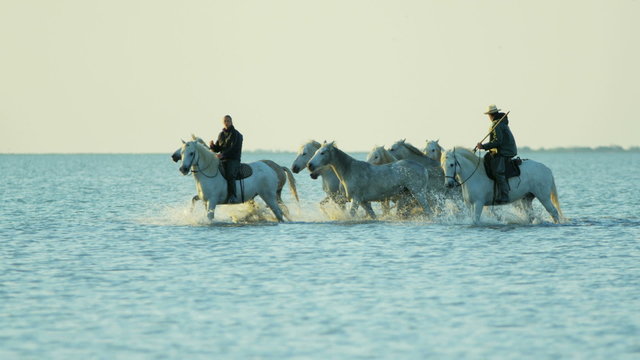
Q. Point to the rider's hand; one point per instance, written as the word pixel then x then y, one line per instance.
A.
pixel 479 146
pixel 219 156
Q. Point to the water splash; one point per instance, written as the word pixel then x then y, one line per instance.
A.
pixel 447 212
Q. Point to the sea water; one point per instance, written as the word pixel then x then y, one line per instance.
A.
pixel 102 257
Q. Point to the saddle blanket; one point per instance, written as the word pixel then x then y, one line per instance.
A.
pixel 243 172
pixel 512 167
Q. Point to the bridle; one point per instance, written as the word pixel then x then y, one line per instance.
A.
pixel 194 168
pixel 457 164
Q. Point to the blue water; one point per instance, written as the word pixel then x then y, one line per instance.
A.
pixel 102 257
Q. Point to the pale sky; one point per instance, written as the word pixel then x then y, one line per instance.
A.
pixel 123 76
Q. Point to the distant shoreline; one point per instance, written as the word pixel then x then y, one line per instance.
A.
pixel 521 149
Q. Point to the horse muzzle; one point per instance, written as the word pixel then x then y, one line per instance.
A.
pixel 311 167
pixel 449 183
pixel 175 157
pixel 295 169
pixel 314 175
pixel 184 170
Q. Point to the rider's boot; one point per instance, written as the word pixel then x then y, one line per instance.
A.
pixel 231 192
pixel 502 196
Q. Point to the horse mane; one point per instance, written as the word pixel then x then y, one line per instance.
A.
pixel 466 153
pixel 199 140
pixel 315 144
pixel 412 148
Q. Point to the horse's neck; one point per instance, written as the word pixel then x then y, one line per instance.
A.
pixel 341 164
pixel 207 162
pixel 471 172
pixel 387 157
pixel 410 154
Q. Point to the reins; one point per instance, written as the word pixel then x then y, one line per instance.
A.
pixel 195 167
pixel 456 165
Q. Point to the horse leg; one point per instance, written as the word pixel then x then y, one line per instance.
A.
pixel 211 209
pixel 477 211
pixel 354 208
pixel 367 207
pixel 421 196
pixel 193 201
pixel 526 204
pixel 386 207
pixel 285 209
pixel 546 202
pixel 271 202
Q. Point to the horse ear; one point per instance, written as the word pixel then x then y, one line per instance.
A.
pixel 183 141
pixel 324 142
pixel 405 139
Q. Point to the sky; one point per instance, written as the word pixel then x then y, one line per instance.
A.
pixel 137 76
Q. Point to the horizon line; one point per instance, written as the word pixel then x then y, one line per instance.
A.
pixel 610 148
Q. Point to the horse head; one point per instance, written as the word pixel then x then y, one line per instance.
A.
pixel 322 156
pixel 458 162
pixel 304 155
pixel 379 155
pixel 433 149
pixel 398 148
pixel 449 165
pixel 177 155
pixel 188 154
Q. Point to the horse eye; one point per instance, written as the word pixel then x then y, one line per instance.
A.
pixel 450 165
pixel 304 153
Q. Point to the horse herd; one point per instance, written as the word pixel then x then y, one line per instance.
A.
pixel 413 180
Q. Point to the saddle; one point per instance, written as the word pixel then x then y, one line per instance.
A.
pixel 243 172
pixel 512 167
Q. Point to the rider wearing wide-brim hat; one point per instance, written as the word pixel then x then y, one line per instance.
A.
pixel 502 147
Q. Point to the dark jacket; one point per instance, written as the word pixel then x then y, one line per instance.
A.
pixel 229 144
pixel 501 138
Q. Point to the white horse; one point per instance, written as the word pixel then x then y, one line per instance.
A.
pixel 330 182
pixel 283 172
pixel 380 156
pixel 404 151
pixel 433 150
pixel 212 186
pixel 463 168
pixel 364 182
pixel 438 192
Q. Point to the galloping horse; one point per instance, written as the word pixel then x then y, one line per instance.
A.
pixel 212 187
pixel 330 182
pixel 380 156
pixel 438 192
pixel 364 182
pixel 463 168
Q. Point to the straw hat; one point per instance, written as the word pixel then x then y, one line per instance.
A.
pixel 492 109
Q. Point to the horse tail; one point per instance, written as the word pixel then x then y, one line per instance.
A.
pixel 292 182
pixel 554 198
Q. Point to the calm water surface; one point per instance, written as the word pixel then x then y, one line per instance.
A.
pixel 101 257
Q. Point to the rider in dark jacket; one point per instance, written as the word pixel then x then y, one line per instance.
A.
pixel 229 149
pixel 503 147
